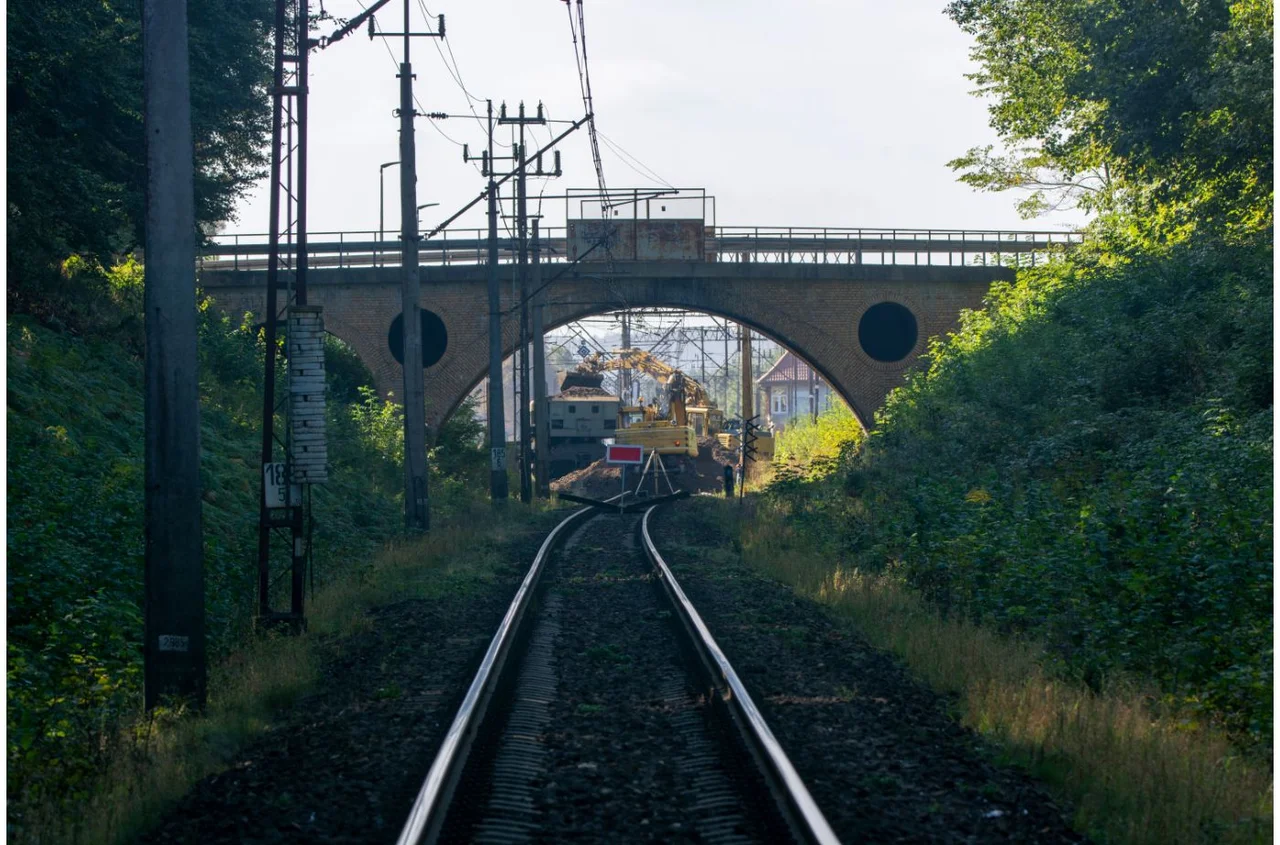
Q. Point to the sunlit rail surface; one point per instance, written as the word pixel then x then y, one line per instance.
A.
pixel 483 781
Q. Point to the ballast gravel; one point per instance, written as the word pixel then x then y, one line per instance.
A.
pixel 346 762
pixel 876 748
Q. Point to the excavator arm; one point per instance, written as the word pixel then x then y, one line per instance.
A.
pixel 683 391
pixel 629 359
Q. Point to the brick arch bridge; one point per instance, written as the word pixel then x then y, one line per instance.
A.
pixel 812 309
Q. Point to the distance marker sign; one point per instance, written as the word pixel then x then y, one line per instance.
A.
pixel 622 454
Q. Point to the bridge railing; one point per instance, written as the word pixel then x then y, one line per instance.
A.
pixel 373 249
pixel 948 247
pixel 755 244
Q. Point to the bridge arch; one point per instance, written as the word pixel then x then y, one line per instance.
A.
pixel 815 310
pixel 820 326
pixel 864 416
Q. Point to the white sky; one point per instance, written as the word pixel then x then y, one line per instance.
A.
pixel 804 113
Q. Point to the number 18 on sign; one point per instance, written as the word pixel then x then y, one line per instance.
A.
pixel 276 486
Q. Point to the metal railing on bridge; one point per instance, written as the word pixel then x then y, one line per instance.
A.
pixel 753 244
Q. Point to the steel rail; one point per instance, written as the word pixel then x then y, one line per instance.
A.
pixel 801 811
pixel 427 814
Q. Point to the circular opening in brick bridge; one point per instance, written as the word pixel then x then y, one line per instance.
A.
pixel 887 331
pixel 435 338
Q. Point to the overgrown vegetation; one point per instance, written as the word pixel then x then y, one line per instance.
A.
pixel 1131 766
pixel 1159 114
pixel 154 763
pixel 76 154
pixel 75 414
pixel 75 539
pixel 809 448
pixel 1088 460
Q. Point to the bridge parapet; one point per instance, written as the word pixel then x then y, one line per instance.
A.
pixel 757 244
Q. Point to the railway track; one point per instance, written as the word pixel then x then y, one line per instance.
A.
pixel 603 709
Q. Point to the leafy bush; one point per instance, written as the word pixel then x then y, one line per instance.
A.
pixel 810 445
pixel 1089 459
pixel 75 539
pixel 77 152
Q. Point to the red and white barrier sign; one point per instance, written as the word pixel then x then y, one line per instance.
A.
pixel 623 454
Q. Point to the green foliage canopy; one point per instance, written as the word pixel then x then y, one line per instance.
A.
pixel 1089 459
pixel 77 158
pixel 1163 107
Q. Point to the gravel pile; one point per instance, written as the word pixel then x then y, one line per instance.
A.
pixel 705 474
pixel 584 393
pixel 596 480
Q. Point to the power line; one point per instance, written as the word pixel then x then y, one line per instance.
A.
pixel 584 84
pixel 418 103
pixel 456 72
pixel 623 154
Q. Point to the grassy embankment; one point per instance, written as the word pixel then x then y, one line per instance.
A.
pixel 159 761
pixel 75 551
pixel 1066 519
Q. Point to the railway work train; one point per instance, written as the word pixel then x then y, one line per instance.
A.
pixel 583 415
pixel 579 419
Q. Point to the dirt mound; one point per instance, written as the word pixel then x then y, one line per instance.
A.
pixel 711 447
pixel 707 474
pixel 596 480
pixel 704 474
pixel 584 393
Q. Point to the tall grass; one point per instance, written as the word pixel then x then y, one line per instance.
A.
pixel 1135 772
pixel 153 763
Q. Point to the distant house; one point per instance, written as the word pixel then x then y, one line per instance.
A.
pixel 789 390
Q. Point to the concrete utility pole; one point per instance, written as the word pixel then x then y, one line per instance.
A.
pixel 497 423
pixel 748 386
pixel 416 505
pixel 813 395
pixel 543 434
pixel 493 390
pixel 174 649
pixel 526 435
pixel 522 232
pixel 702 355
pixel 726 366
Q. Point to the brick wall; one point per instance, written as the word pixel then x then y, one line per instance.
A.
pixel 811 309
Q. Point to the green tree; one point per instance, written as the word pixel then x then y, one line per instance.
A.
pixel 1163 108
pixel 77 166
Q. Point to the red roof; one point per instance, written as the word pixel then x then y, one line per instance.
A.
pixel 788 368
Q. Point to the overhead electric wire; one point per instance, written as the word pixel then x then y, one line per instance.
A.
pixel 455 72
pixel 584 84
pixel 418 103
pixel 649 173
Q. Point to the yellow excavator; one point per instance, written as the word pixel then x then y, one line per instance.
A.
pixel 691 414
